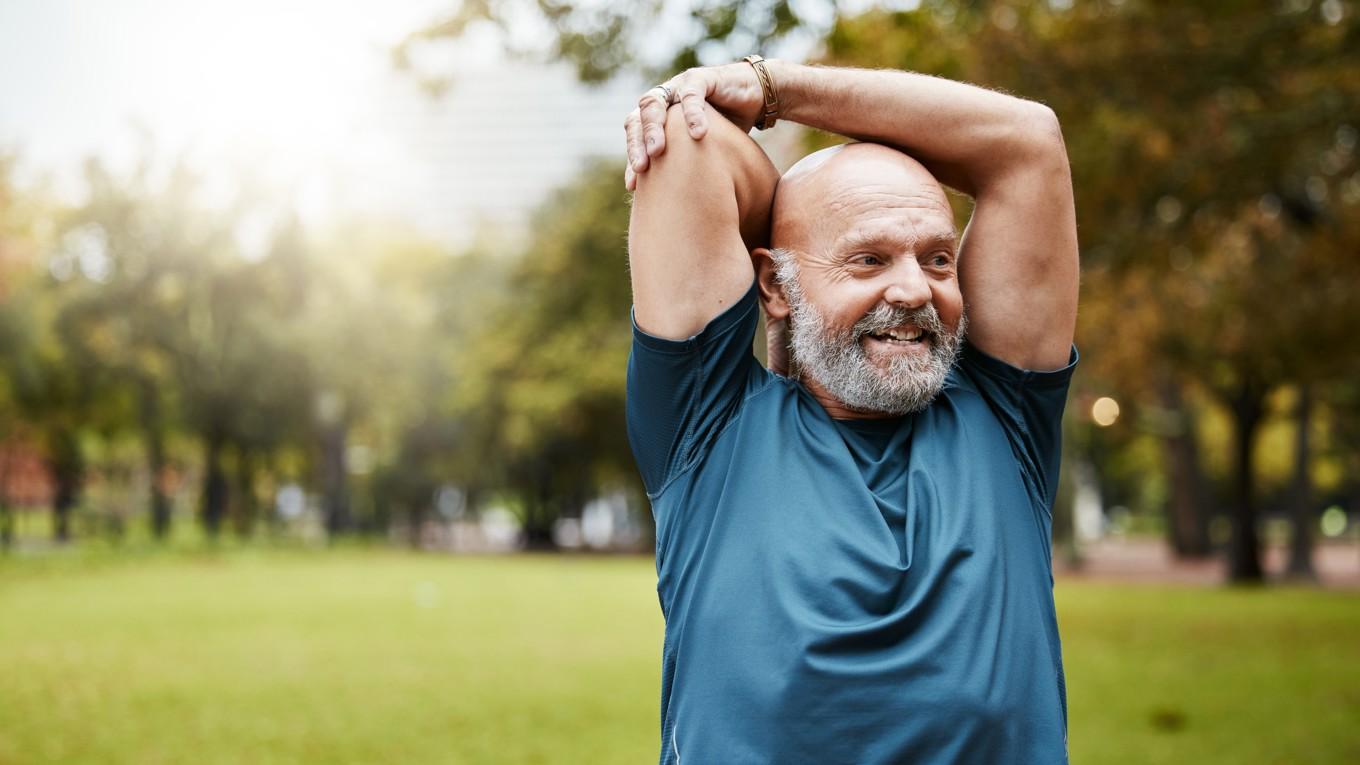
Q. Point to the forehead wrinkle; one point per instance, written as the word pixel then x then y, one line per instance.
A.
pixel 892 219
pixel 895 237
pixel 852 198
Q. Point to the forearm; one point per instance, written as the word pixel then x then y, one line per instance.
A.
pixel 754 178
pixel 698 212
pixel 968 136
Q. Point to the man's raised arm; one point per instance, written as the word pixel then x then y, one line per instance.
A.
pixel 698 211
pixel 1018 264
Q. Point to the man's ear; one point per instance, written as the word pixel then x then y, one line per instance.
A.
pixel 771 292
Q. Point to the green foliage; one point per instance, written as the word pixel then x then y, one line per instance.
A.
pixel 538 386
pixel 600 40
pixel 1214 157
pixel 141 312
pixel 166 313
pixel 501 373
pixel 1213 150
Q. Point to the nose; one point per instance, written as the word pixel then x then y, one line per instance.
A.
pixel 908 286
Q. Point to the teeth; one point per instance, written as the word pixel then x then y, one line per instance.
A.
pixel 898 334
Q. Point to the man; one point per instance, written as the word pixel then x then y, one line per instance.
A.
pixel 854 560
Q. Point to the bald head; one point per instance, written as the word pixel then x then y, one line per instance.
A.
pixel 817 194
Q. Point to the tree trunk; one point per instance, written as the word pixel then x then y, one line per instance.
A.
pixel 214 486
pixel 335 490
pixel 67 466
pixel 1187 506
pixel 153 437
pixel 160 503
pixel 1244 550
pixel 537 526
pixel 1301 514
pixel 6 525
pixel 6 512
pixel 538 510
pixel 247 506
pixel 416 525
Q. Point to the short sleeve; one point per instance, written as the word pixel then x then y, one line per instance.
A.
pixel 682 392
pixel 1030 406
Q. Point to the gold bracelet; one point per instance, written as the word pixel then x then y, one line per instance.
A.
pixel 767 88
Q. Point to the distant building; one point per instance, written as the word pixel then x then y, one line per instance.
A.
pixel 499 141
pixel 490 150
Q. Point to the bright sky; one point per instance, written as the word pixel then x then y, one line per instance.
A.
pixel 76 75
pixel 300 92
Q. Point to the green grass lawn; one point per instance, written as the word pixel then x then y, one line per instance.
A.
pixel 385 657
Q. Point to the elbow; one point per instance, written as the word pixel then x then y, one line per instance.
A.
pixel 1040 135
pixel 1026 146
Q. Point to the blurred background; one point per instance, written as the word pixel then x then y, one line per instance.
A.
pixel 312 313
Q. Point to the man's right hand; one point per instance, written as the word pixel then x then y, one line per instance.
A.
pixel 732 89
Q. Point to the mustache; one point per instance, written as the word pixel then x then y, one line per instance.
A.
pixel 884 317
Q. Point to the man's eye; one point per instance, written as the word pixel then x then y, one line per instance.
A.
pixel 940 259
pixel 868 260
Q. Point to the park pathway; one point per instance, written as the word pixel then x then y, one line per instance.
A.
pixel 1150 560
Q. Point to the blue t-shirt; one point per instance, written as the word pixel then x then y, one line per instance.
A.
pixel 849 592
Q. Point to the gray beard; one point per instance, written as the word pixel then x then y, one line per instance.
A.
pixel 838 362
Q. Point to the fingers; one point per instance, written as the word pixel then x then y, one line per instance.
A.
pixel 652 108
pixel 645 126
pixel 637 153
pixel 692 103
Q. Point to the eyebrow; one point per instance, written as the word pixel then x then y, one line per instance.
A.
pixel 863 241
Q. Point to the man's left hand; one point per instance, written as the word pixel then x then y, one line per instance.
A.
pixel 732 89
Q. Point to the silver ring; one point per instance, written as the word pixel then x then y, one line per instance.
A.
pixel 670 95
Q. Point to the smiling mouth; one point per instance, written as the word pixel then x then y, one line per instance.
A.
pixel 901 336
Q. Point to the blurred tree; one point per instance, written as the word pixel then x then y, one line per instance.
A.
pixel 148 308
pixel 1216 191
pixel 602 39
pixel 56 388
pixel 1344 435
pixel 367 328
pixel 55 384
pixel 15 251
pixel 446 435
pixel 184 327
pixel 22 241
pixel 1302 515
pixel 1213 151
pixel 120 323
pixel 539 386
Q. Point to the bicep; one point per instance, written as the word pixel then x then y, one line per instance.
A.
pixel 686 252
pixel 1019 264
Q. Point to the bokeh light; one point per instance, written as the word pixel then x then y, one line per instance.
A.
pixel 1105 411
pixel 1333 521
